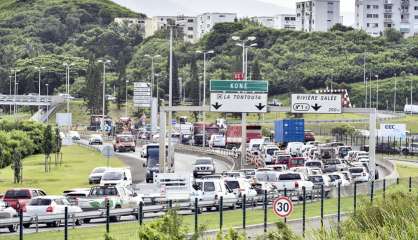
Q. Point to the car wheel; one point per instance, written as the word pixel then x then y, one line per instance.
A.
pixel 115 218
pixel 56 224
pixel 405 151
pixel 232 207
pixel 86 220
pixel 13 228
pixel 78 222
pixel 26 225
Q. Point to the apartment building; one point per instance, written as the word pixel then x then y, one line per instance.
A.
pixel 206 21
pixel 317 15
pixel 186 23
pixel 374 16
pixel 281 21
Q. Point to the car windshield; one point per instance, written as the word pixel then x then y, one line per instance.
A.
pixel 271 151
pixel 289 176
pixel 17 194
pixel 356 170
pixel 112 176
pixel 153 157
pixel 99 170
pixel 40 202
pixel 203 162
pixel 334 177
pixel 232 184
pixel 313 164
pixel 316 179
pixel 104 191
pixel 125 139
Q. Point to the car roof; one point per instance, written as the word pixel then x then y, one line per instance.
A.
pixel 28 189
pixel 49 197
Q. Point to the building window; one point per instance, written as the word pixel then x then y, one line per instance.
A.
pixel 372 15
pixel 375 6
pixel 416 16
pixel 190 20
pixel 190 36
pixel 190 28
pixel 368 6
pixel 368 24
pixel 330 3
pixel 221 16
pixel 416 8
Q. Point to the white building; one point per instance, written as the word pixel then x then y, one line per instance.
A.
pixel 374 16
pixel 285 21
pixel 186 23
pixel 269 22
pixel 206 21
pixel 317 15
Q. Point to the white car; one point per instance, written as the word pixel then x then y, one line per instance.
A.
pixel 117 176
pixel 49 205
pixel 95 139
pixel 295 148
pixel 293 181
pixel 74 135
pixel 217 141
pixel 209 190
pixel 338 178
pixel 359 174
pixel 241 187
pixel 7 212
pixel 96 175
pixel 203 166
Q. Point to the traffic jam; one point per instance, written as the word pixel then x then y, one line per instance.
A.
pixel 289 162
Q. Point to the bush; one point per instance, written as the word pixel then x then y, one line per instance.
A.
pixel 343 130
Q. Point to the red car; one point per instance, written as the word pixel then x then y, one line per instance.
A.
pixel 17 198
pixel 309 136
pixel 290 161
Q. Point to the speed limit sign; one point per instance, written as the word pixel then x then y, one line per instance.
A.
pixel 282 206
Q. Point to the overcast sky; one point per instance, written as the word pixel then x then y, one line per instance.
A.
pixel 241 7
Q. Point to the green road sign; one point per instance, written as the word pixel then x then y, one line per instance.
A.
pixel 238 86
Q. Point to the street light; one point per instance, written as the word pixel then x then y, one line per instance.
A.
pixel 39 86
pixel 15 71
pixel 126 98
pixel 67 83
pixel 10 92
pixel 242 44
pixel 410 75
pixel 104 62
pixel 246 58
pixel 204 90
pixel 377 92
pixel 47 103
pixel 152 71
pixel 16 93
pixel 394 97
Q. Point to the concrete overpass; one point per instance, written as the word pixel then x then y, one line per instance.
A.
pixel 30 100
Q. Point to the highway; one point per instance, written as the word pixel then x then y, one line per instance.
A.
pixel 183 163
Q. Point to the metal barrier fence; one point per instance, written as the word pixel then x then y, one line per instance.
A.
pixel 336 202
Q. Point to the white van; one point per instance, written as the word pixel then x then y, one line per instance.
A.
pixel 268 152
pixel 240 187
pixel 295 148
pixel 255 144
pixel 117 176
pixel 209 190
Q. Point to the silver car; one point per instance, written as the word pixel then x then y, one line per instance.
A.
pixel 7 212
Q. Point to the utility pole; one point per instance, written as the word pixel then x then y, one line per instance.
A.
pixel 67 84
pixel 39 86
pixel 126 98
pixel 104 62
pixel 47 106
pixel 364 78
pixel 394 97
pixel 377 92
pixel 10 93
pixel 170 101
pixel 410 75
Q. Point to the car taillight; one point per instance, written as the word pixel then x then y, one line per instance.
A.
pixel 296 184
pixel 241 190
pixel 49 209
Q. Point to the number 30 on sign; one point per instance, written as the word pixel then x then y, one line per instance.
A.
pixel 282 207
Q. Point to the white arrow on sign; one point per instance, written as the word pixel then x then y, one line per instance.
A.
pixel 238 102
pixel 316 103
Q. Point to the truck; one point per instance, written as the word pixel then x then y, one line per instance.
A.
pixel 117 197
pixel 289 130
pixel 210 129
pixel 234 134
pixel 124 142
pixel 185 129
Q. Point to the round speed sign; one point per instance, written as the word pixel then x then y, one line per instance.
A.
pixel 282 206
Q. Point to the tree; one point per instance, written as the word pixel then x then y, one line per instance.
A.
pixel 93 90
pixel 17 166
pixel 393 35
pixel 47 145
pixel 255 73
pixel 341 28
pixel 193 84
pixel 176 85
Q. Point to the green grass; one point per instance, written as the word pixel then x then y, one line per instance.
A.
pixel 19 116
pixel 77 165
pixel 128 231
pixel 406 170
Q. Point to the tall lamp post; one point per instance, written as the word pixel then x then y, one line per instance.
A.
pixel 67 83
pixel 377 92
pixel 10 93
pixel 152 71
pixel 126 98
pixel 39 86
pixel 104 62
pixel 410 75
pixel 243 44
pixel 205 53
pixel 246 58
pixel 47 101
pixel 394 97
pixel 15 71
pixel 16 93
